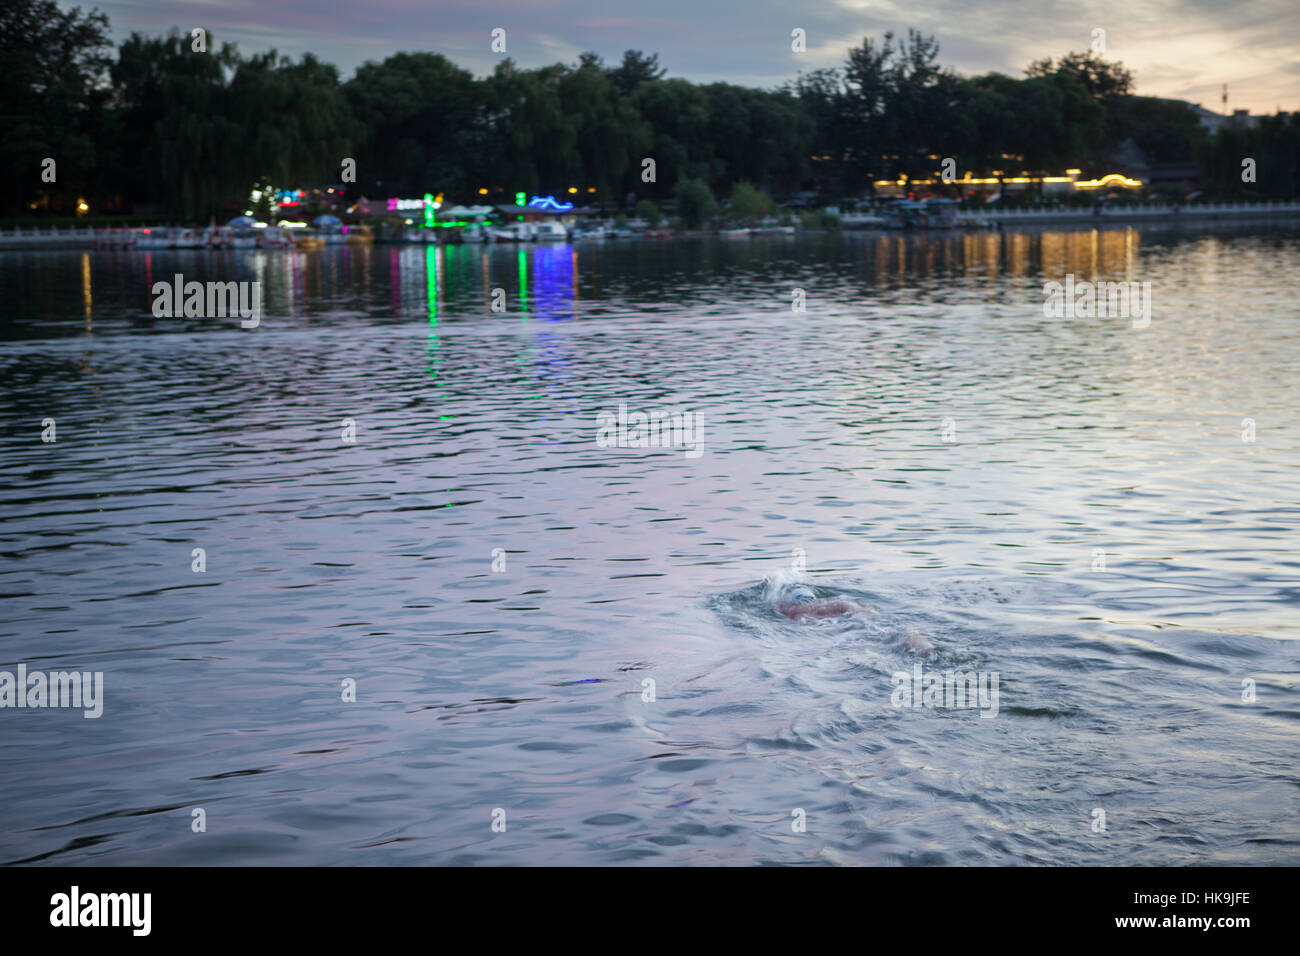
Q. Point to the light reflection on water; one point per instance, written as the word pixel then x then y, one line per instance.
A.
pixel 522 689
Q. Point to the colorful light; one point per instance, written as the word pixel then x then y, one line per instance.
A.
pixel 549 202
pixel 1114 179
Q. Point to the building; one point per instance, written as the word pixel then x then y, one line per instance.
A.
pixel 1212 122
pixel 543 209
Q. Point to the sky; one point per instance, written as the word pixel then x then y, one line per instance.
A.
pixel 1186 49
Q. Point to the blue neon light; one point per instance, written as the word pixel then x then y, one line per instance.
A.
pixel 549 202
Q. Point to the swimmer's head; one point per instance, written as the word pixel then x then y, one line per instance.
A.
pixel 801 595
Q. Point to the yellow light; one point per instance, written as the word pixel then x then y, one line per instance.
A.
pixel 573 189
pixel 1111 179
pixel 1073 172
pixel 82 208
pixel 970 180
pixel 591 189
pixel 483 191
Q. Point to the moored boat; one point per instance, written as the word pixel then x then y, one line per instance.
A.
pixel 273 237
pixel 550 231
pixel 187 238
pixel 155 237
pixel 359 235
pixel 514 232
pixel 306 239
pixel 219 237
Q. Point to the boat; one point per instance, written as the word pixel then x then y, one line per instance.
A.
pixel 359 235
pixel 115 238
pixel 941 213
pixel 773 231
pixel 862 220
pixel 154 237
pixel 187 238
pixel 657 234
pixel 330 229
pixel 273 237
pixel 219 237
pixel 591 232
pixel 904 214
pixel 475 232
pixel 514 232
pixel 306 239
pixel 733 233
pixel 550 231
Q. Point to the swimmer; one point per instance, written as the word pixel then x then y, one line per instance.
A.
pixel 805 607
pixel 917 642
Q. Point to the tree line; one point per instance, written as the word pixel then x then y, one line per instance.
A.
pixel 155 124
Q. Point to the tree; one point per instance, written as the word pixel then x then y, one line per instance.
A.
pixel 424 124
pixel 748 204
pixel 822 99
pixel 636 68
pixel 177 131
pixel 1103 80
pixel 1167 131
pixel 610 138
pixel 53 67
pixel 695 202
pixel 647 210
pixel 676 114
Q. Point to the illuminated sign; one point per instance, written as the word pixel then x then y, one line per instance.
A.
pixel 1114 179
pixel 404 205
pixel 549 202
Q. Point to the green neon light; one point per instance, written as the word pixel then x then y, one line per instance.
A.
pixel 431 278
pixel 523 281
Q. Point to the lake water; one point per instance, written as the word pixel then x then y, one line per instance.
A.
pixel 581 643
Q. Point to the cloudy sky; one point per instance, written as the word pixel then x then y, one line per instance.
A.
pixel 1178 48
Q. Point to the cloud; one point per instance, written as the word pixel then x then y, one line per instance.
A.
pixel 1175 47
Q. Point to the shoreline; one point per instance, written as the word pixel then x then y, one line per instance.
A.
pixel 85 239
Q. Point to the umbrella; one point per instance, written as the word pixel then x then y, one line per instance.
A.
pixel 326 220
pixel 242 221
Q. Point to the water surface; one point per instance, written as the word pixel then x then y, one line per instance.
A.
pixel 921 439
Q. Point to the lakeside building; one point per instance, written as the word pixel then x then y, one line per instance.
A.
pixel 1212 122
pixel 428 211
pixel 991 187
pixel 544 209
